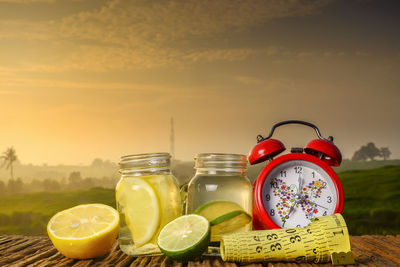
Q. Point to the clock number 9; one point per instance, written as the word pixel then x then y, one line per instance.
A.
pixel 267 197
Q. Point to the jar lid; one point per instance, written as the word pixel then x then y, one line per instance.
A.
pixel 145 161
pixel 220 161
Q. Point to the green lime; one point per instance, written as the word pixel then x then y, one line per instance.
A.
pixel 225 217
pixel 214 209
pixel 228 223
pixel 185 238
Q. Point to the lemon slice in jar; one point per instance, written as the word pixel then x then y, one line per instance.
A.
pixel 142 210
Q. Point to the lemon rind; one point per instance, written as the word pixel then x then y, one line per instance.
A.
pixel 111 226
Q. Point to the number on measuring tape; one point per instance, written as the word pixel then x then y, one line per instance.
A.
pixel 277 246
pixel 272 236
pixel 291 231
pixel 259 249
pixel 295 238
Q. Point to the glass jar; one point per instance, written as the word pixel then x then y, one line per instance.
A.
pixel 221 192
pixel 147 198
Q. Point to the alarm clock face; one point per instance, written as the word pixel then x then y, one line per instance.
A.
pixel 295 192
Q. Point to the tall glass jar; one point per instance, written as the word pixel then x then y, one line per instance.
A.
pixel 148 198
pixel 221 192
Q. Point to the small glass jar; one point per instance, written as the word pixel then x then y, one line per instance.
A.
pixel 219 190
pixel 147 198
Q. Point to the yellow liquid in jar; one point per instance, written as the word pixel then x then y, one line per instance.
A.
pixel 163 192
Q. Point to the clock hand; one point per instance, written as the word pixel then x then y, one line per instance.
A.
pixel 300 181
pixel 287 216
pixel 316 204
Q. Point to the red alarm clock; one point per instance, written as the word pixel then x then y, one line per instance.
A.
pixel 293 189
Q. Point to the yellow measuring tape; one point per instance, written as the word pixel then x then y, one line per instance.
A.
pixel 326 239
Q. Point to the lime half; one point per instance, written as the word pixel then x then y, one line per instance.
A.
pixel 228 223
pixel 214 209
pixel 185 238
pixel 224 217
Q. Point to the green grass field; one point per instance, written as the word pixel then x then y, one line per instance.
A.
pixel 28 214
pixel 372 204
pixel 372 200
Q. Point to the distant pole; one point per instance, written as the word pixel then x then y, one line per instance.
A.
pixel 172 139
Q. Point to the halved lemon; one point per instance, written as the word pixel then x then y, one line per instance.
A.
pixel 142 214
pixel 84 231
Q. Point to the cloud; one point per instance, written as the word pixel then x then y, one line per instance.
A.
pixel 27 1
pixel 124 34
pixel 125 22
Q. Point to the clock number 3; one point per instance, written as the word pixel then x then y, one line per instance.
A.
pixel 329 200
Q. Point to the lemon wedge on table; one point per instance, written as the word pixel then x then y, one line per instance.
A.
pixel 84 231
pixel 142 215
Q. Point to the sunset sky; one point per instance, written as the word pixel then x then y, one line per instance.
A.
pixel 100 79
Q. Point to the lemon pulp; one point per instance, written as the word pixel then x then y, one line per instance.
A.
pixel 84 231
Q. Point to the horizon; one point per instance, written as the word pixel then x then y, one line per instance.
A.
pixel 89 164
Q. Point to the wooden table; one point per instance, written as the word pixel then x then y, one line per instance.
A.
pixel 38 251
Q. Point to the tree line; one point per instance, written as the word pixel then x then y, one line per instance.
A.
pixel 73 182
pixel 370 152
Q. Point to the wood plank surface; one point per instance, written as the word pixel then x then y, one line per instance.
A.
pixel 16 250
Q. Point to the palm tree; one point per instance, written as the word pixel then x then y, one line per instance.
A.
pixel 8 157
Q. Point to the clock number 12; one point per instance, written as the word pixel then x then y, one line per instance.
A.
pixel 298 169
